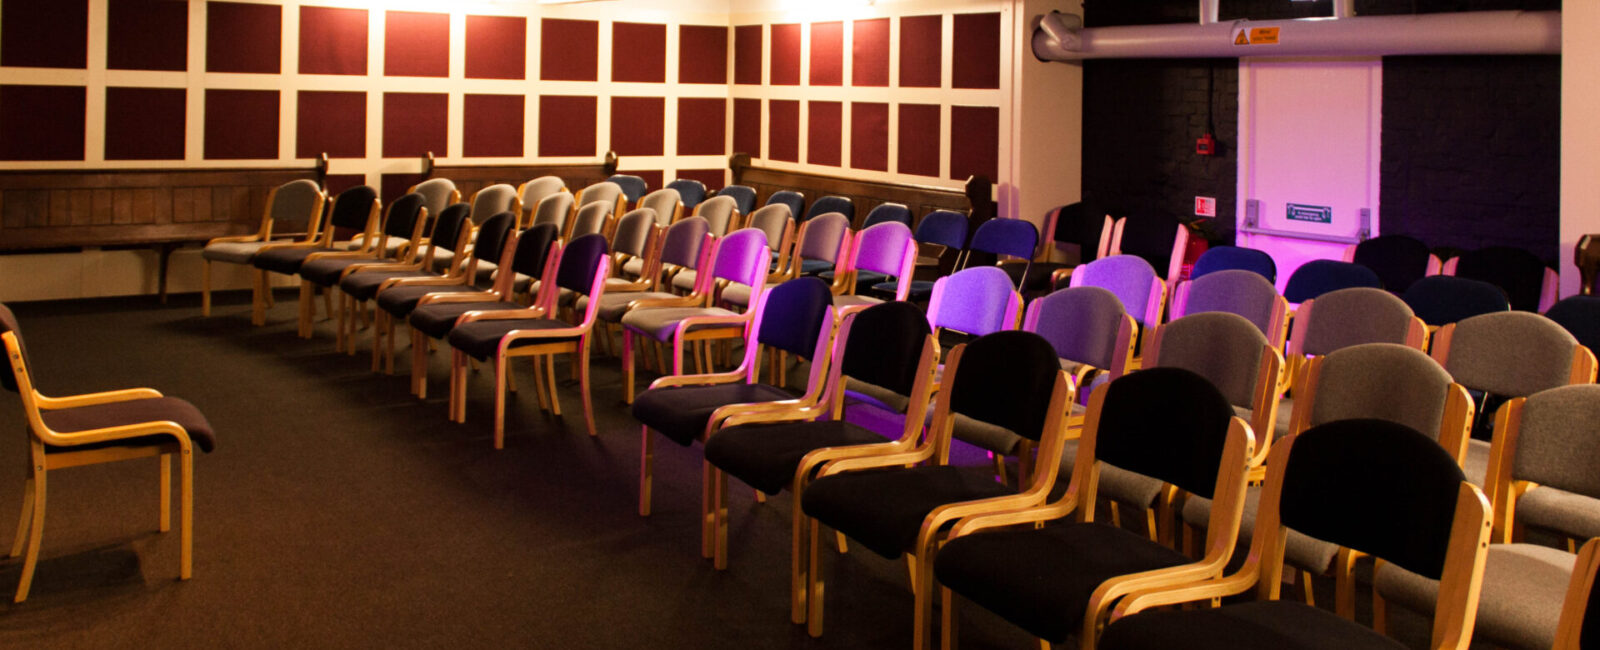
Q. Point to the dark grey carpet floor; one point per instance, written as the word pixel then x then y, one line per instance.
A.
pixel 339 511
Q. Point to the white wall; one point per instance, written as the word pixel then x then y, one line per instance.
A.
pixel 1580 132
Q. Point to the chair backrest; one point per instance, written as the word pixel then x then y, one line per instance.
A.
pixel 403 215
pixel 1384 381
pixel 8 323
pixel 885 212
pixel 1091 230
pixel 1222 347
pixel 295 203
pixel 883 345
pixel 1167 423
pixel 604 191
pixel 826 204
pixel 1558 440
pixel 794 315
pixel 1519 272
pixel 690 191
pixel 1580 315
pixel 946 228
pixel 1014 237
pixel 493 200
pixel 554 210
pixel 666 203
pixel 1133 281
pixel 882 248
pixel 1340 319
pixel 591 219
pixel 742 257
pixel 447 229
pixel 744 195
pixel 1158 238
pixel 353 210
pixel 682 242
pixel 1579 626
pixel 977 301
pixel 438 193
pixel 1005 379
pixel 1318 277
pixel 1399 260
pixel 1085 325
pixel 1441 299
pixel 1511 354
pixel 533 249
pixel 1222 258
pixel 1237 291
pixel 632 186
pixel 538 189
pixel 719 211
pixel 822 237
pixel 493 236
pixel 795 200
pixel 580 261
pixel 633 232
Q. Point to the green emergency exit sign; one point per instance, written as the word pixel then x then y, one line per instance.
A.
pixel 1310 213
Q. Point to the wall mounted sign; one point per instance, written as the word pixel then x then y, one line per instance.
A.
pixel 1309 213
pixel 1256 36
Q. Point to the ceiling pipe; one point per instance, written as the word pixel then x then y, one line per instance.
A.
pixel 1060 37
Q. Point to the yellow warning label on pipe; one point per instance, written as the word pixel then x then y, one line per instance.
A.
pixel 1256 36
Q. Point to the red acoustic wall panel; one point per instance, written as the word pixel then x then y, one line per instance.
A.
pixel 823 125
pixel 974 141
pixel 241 124
pixel 496 47
pixel 331 122
pixel 747 55
pixel 416 44
pixel 639 52
pixel 976 37
pixel 566 125
pixel 337 183
pixel 921 39
pixel 415 124
pixel 827 54
pixel 491 125
pixel 869 136
pixel 783 130
pixel 747 126
pixel 393 186
pixel 333 41
pixel 713 178
pixel 701 126
pixel 869 47
pixel 143 35
pixel 637 125
pixel 569 50
pixel 919 139
pixel 145 123
pixel 44 33
pixel 703 54
pixel 41 122
pixel 243 37
pixel 785 56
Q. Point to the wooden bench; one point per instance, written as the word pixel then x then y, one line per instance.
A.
pixel 471 178
pixel 975 199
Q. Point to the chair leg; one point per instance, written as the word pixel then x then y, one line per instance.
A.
pixel 308 310
pixel 1307 587
pixel 550 383
pixel 27 515
pixel 1380 613
pixel 947 619
pixel 388 335
pixel 814 584
pixel 627 366
pixel 646 461
pixel 185 514
pixel 166 492
pixel 797 561
pixel 419 364
pixel 35 534
pixel 583 387
pixel 500 402
pixel 205 287
pixel 708 509
pixel 1344 574
pixel 327 303
pixel 258 298
pixel 377 339
pixel 539 389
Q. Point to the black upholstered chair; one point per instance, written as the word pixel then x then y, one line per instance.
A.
pixel 1440 300
pixel 1529 284
pixel 397 241
pixel 1580 315
pixel 355 212
pixel 533 253
pixel 901 502
pixel 1223 258
pixel 100 428
pixel 451 231
pixel 887 346
pixel 1160 239
pixel 1062 579
pixel 1399 260
pixel 505 334
pixel 398 297
pixel 798 319
pixel 290 205
pixel 1405 477
pixel 1071 225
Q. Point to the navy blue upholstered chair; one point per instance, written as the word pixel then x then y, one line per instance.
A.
pixel 1318 277
pixel 826 204
pixel 1581 316
pixel 744 194
pixel 946 228
pixel 1442 299
pixel 887 212
pixel 1527 281
pixel 1015 238
pixel 690 191
pixel 795 200
pixel 633 187
pixel 1223 258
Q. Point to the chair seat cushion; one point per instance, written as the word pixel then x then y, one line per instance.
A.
pixel 633 267
pixel 154 409
pixel 1556 510
pixel 235 252
pixel 1275 624
pixel 1476 465
pixel 685 279
pixel 884 509
pixel 324 272
pixel 283 259
pixel 866 280
pixel 614 305
pixel 364 285
pixel 921 290
pixel 841 302
pixel 814 267
pixel 437 319
pixel 1523 589
pixel 738 294
pixel 681 412
pixel 402 299
pixel 1041 580
pixel 766 456
pixel 1300 550
pixel 660 324
pixel 481 339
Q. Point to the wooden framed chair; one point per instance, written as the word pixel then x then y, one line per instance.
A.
pixel 901 502
pixel 99 428
pixel 691 191
pixel 822 243
pixel 1440 300
pixel 437 194
pixel 503 335
pixel 1236 291
pixel 795 201
pixel 1527 281
pixel 1003 240
pixel 633 188
pixel 941 231
pixel 1063 579
pixel 531 192
pixel 1075 231
pixel 1224 258
pixel 1318 277
pixel 667 204
pixel 397 297
pixel 1142 291
pixel 1580 315
pixel 603 192
pixel 556 209
pixel 293 203
pixel 1541 478
pixel 840 204
pixel 1412 480
pixel 595 218
pixel 722 213
pixel 1399 260
pixel 1581 610
pixel 797 317
pixel 683 247
pixel 881 252
pixel 1340 319
pixel 355 211
pixel 888 346
pixel 1092 334
pixel 636 232
pixel 1161 240
pixel 743 194
pixel 362 283
pixel 398 241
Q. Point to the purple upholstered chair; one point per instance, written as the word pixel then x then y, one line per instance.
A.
pixel 1142 292
pixel 822 241
pixel 682 248
pixel 1003 238
pixel 975 301
pixel 1236 291
pixel 879 252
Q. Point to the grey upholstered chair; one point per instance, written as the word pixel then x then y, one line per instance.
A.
pixel 1236 291
pixel 779 224
pixel 1580 613
pixel 722 212
pixel 555 210
pixel 289 205
pixel 630 241
pixel 437 194
pixel 533 191
pixel 604 191
pixel 676 249
pixel 593 218
pixel 1543 478
pixel 667 204
pixel 822 242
